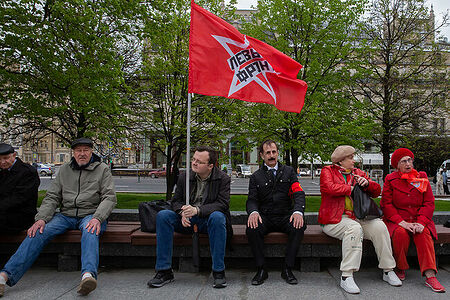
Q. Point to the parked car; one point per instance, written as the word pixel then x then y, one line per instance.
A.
pixel 243 171
pixel 44 170
pixel 157 173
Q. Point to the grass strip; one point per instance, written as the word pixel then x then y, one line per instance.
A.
pixel 237 202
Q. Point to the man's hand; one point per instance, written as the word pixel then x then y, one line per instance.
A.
pixel 38 225
pixel 93 226
pixel 298 220
pixel 189 211
pixel 418 228
pixel 408 226
pixel 361 180
pixel 253 219
pixel 185 222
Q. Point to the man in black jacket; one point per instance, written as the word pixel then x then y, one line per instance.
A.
pixel 208 208
pixel 276 202
pixel 19 183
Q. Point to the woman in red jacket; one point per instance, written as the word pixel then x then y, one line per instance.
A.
pixel 339 221
pixel 408 205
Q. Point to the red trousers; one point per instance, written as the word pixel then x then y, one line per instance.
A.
pixel 424 245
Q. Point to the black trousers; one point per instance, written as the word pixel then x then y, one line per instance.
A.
pixel 275 223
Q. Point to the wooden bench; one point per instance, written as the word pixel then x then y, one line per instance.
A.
pixel 125 239
pixel 315 245
pixel 117 232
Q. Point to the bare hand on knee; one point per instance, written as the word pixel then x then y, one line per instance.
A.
pixel 38 225
pixel 253 220
pixel 93 226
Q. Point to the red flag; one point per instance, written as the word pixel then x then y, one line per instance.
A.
pixel 224 62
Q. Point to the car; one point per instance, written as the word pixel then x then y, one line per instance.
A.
pixel 243 171
pixel 44 170
pixel 157 173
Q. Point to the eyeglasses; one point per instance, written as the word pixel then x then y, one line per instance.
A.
pixel 406 161
pixel 196 161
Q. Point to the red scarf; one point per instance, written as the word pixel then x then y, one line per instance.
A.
pixel 421 184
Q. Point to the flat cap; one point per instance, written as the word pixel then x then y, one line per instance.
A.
pixel 82 141
pixel 341 152
pixel 6 149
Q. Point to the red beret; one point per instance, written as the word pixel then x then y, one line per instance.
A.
pixel 399 154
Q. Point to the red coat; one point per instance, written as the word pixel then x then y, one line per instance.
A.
pixel 333 189
pixel 401 201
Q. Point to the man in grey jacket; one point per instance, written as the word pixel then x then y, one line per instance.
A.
pixel 84 192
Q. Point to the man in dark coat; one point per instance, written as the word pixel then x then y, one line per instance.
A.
pixel 276 202
pixel 208 208
pixel 19 183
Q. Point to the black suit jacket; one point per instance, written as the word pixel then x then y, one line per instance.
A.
pixel 18 197
pixel 271 197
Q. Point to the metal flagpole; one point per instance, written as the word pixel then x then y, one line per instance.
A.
pixel 188 147
pixel 195 238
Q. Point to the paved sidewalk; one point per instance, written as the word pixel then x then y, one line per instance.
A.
pixel 47 283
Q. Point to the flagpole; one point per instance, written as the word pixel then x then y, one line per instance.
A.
pixel 188 147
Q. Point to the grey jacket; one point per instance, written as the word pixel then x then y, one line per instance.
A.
pixel 79 192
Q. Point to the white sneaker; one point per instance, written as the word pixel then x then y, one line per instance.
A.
pixel 349 285
pixel 392 278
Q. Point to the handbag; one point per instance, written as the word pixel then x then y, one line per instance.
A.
pixel 363 206
pixel 148 211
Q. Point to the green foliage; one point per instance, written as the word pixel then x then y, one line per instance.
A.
pixel 320 35
pixel 63 65
pixel 161 90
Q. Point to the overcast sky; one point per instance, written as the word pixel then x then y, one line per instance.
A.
pixel 439 6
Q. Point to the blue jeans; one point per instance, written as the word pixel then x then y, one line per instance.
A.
pixel 168 221
pixel 30 248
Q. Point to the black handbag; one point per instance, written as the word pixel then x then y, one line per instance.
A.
pixel 148 211
pixel 363 206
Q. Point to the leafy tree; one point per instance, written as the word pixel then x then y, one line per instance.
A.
pixel 403 80
pixel 320 35
pixel 63 66
pixel 162 85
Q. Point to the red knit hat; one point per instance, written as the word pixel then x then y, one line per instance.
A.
pixel 399 154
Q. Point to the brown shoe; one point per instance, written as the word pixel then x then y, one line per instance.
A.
pixel 87 285
pixel 2 289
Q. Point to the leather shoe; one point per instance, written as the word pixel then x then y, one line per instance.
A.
pixel 260 276
pixel 287 275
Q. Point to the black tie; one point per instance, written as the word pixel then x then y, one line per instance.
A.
pixel 273 173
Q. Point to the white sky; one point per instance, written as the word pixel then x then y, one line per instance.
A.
pixel 439 6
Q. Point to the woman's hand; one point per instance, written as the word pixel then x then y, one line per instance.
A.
pixel 418 228
pixel 361 181
pixel 408 226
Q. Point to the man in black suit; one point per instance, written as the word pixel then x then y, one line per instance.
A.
pixel 19 183
pixel 276 202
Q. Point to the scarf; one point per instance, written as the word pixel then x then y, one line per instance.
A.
pixel 349 179
pixel 421 184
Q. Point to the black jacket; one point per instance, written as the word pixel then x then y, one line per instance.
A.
pixel 216 196
pixel 18 197
pixel 271 197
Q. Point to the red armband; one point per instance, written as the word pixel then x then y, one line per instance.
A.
pixel 295 187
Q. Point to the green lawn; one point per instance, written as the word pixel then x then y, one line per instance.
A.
pixel 237 203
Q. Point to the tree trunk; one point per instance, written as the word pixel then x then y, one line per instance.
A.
pixel 287 157
pixel 294 155
pixel 385 150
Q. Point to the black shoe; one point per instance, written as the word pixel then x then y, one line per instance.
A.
pixel 161 278
pixel 287 275
pixel 260 276
pixel 219 280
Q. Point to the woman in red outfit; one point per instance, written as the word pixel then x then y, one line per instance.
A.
pixel 338 219
pixel 408 205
